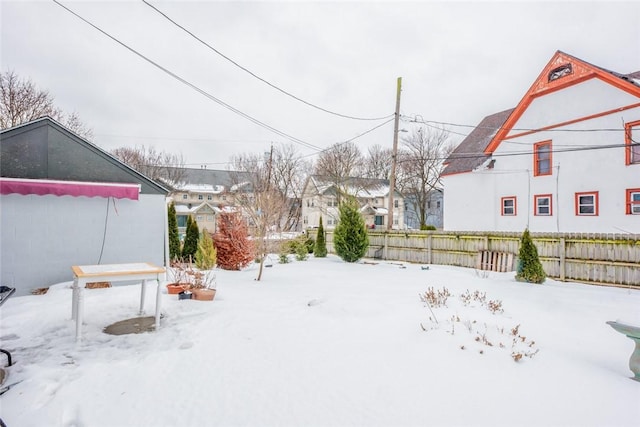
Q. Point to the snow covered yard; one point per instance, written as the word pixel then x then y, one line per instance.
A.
pixel 325 343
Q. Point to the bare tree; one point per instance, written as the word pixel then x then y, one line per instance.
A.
pixel 338 163
pixel 21 102
pixel 157 165
pixel 257 195
pixel 377 163
pixel 420 164
pixel 289 171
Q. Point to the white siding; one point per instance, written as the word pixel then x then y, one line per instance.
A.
pixel 43 236
pixel 472 200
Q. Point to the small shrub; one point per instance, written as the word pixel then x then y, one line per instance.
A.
pixel 529 266
pixel 428 227
pixel 283 258
pixel 302 252
pixel 206 253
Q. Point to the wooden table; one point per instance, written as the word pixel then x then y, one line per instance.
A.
pixel 84 274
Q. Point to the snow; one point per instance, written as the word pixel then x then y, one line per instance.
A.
pixel 326 343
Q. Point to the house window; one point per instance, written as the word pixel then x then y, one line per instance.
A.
pixel 587 204
pixel 200 197
pixel 633 201
pixel 542 158
pixel 224 198
pixel 198 217
pixel 209 218
pixel 305 220
pixel 509 206
pixel 542 203
pixel 395 203
pixel 185 197
pixel 209 197
pixel 378 220
pixel 438 204
pixel 632 142
pixel 429 204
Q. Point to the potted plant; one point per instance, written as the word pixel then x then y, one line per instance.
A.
pixel 203 285
pixel 181 282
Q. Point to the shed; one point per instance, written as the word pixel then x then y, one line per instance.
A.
pixel 64 201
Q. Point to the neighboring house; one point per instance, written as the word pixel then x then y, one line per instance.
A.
pixel 434 209
pixel 565 159
pixel 65 202
pixel 321 197
pixel 203 194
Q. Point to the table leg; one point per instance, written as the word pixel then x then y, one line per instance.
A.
pixel 79 313
pixel 74 299
pixel 158 294
pixel 143 291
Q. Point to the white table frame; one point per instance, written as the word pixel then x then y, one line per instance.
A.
pixel 84 274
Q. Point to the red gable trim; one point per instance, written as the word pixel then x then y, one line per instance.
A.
pixel 580 72
pixel 42 187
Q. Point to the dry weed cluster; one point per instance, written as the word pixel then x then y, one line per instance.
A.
pixel 484 329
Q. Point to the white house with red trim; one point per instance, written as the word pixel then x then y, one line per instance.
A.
pixel 565 159
pixel 66 202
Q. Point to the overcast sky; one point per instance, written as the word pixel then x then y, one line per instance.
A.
pixel 459 62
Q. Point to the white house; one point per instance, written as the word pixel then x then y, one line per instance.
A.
pixel 321 197
pixel 565 159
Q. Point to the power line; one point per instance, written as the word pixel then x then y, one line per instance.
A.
pixel 454 156
pixel 191 85
pixel 428 122
pixel 255 75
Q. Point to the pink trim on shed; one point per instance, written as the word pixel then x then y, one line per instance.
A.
pixel 42 187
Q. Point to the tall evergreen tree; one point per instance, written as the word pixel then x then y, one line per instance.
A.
pixel 174 238
pixel 190 246
pixel 320 249
pixel 529 266
pixel 350 238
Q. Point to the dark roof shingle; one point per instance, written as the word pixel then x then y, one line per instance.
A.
pixel 470 153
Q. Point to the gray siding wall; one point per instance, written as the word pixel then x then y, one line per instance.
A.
pixel 43 236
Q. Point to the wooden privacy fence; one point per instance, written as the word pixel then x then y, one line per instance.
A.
pixel 604 259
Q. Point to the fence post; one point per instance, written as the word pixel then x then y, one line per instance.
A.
pixel 429 241
pixel 386 244
pixel 562 250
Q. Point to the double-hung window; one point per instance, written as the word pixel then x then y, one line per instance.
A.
pixel 509 206
pixel 632 142
pixel 542 158
pixel 587 204
pixel 633 201
pixel 542 203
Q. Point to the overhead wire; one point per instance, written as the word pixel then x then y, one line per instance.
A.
pixel 193 86
pixel 190 33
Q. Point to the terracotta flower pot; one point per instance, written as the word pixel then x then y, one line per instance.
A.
pixel 203 294
pixel 176 288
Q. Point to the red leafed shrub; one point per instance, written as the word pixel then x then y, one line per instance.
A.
pixel 233 246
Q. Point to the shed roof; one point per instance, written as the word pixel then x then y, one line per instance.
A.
pixel 44 149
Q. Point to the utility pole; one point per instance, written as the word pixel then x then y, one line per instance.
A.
pixel 394 157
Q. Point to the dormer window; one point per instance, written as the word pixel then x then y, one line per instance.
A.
pixel 559 72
